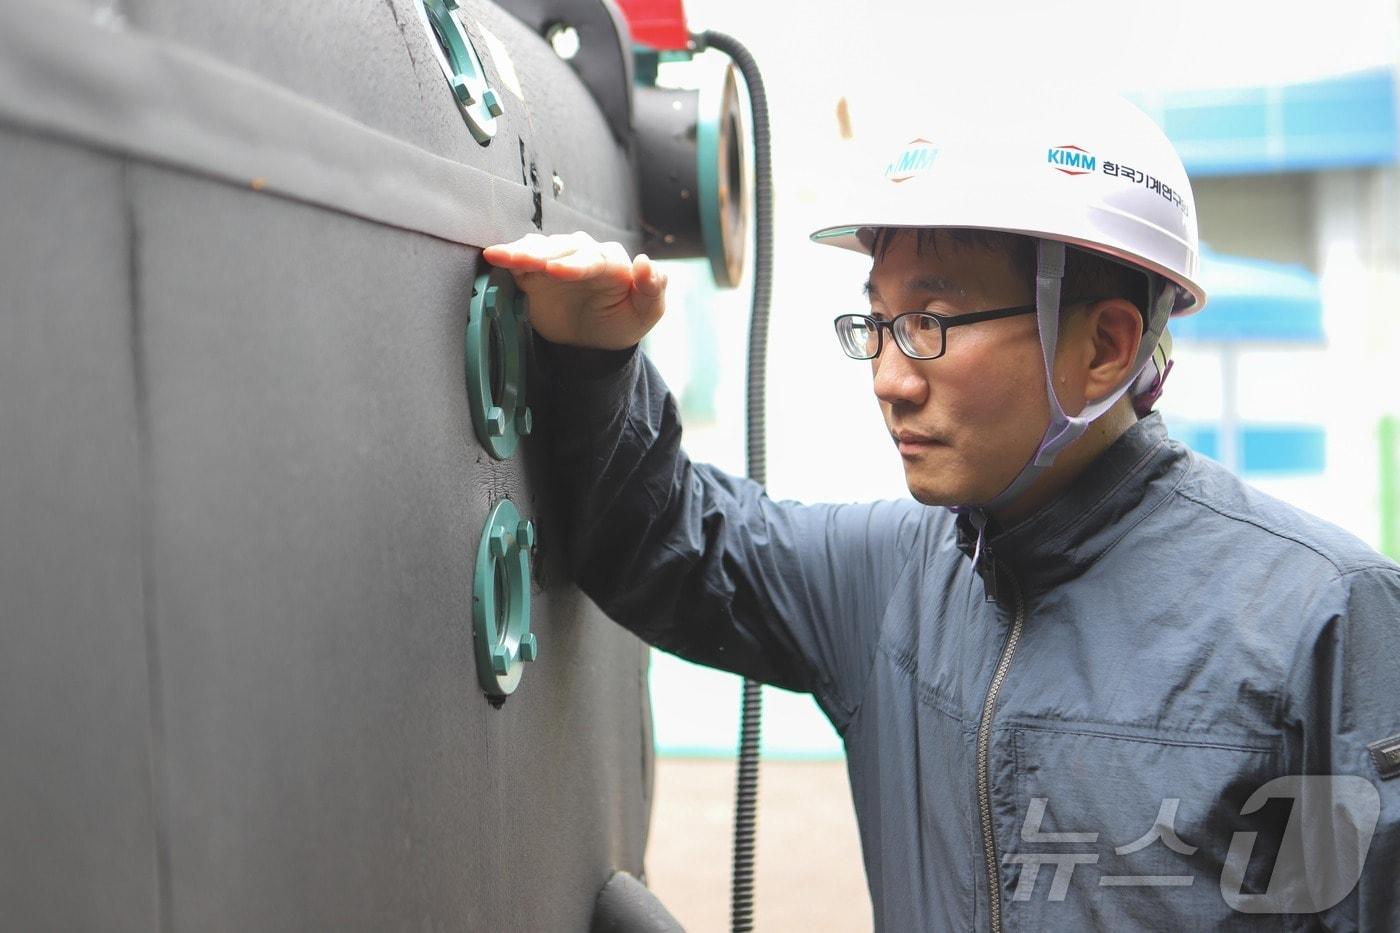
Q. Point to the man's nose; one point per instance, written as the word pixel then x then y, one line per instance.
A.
pixel 898 379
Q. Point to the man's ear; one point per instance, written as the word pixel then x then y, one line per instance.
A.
pixel 1115 329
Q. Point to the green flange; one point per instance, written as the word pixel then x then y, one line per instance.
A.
pixel 496 363
pixel 501 601
pixel 479 102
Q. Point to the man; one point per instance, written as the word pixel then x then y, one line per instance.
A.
pixel 1107 686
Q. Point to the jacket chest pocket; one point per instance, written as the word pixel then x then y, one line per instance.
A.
pixel 1131 833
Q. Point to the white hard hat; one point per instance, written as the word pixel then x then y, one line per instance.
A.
pixel 1081 167
pixel 1074 167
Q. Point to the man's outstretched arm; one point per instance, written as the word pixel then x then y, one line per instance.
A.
pixel 694 560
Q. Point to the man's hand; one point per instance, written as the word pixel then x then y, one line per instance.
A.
pixel 584 293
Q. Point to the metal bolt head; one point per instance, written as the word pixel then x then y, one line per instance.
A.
pixel 500 661
pixel 499 545
pixel 491 102
pixel 524 422
pixel 496 421
pixel 525 534
pixel 529 648
pixel 461 91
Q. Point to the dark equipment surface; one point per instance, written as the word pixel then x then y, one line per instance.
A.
pixel 671 115
pixel 625 905
pixel 604 58
pixel 241 496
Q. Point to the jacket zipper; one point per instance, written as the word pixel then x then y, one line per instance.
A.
pixel 984 738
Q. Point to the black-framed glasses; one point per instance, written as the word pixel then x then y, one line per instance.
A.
pixel 920 335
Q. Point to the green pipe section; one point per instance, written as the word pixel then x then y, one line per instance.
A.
pixel 478 101
pixel 501 601
pixel 1390 486
pixel 495 363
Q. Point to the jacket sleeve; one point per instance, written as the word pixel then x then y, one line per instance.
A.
pixel 1341 713
pixel 701 563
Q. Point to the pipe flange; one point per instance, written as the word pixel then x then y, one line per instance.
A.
pixel 694 176
pixel 501 601
pixel 723 178
pixel 479 103
pixel 495 354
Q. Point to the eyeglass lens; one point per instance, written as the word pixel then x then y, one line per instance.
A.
pixel 918 335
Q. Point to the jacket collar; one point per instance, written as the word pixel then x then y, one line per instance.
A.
pixel 1114 492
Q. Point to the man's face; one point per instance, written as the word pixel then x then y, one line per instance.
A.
pixel 967 422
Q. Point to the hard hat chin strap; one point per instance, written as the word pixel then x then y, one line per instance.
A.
pixel 1064 429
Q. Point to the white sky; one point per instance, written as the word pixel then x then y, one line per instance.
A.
pixel 1128 44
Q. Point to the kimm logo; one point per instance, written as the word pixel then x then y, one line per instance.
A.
pixel 916 158
pixel 1072 160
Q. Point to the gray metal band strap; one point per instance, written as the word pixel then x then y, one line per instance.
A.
pixel 1064 429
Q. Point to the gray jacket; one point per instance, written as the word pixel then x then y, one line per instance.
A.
pixel 1165 641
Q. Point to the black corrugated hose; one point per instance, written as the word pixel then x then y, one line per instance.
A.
pixel 746 793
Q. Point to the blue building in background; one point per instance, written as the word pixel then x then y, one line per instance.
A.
pixel 1299 206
